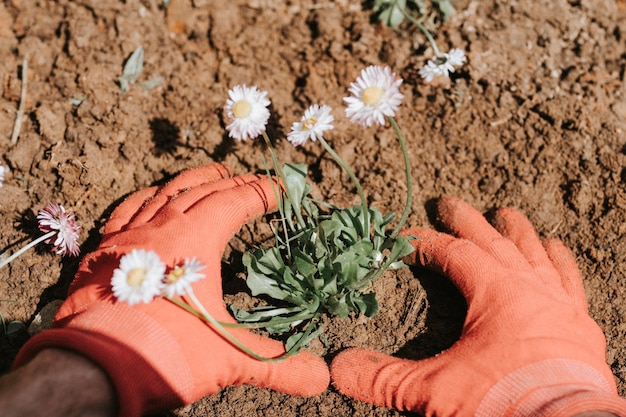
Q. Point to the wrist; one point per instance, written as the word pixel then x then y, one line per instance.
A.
pixel 42 387
pixel 145 364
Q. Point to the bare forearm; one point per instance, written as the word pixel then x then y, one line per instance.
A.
pixel 57 383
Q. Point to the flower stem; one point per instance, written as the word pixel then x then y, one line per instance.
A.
pixel 226 334
pixel 425 31
pixel 357 184
pixel 25 248
pixel 279 169
pixel 278 196
pixel 407 169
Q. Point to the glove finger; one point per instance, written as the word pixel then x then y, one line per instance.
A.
pixel 464 221
pixel 128 208
pixel 516 227
pixel 222 212
pixel 564 262
pixel 191 178
pixel 182 202
pixel 304 374
pixel 468 266
pixel 196 176
pixel 223 193
pixel 383 380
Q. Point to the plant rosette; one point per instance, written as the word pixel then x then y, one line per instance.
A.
pixel 324 258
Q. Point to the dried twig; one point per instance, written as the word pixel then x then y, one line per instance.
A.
pixel 20 111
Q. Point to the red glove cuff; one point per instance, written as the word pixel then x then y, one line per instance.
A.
pixel 133 366
pixel 553 387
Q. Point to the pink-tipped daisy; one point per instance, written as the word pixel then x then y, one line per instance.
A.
pixel 247 109
pixel 138 278
pixel 61 227
pixel 180 278
pixel 375 94
pixel 60 230
pixel 316 120
pixel 443 64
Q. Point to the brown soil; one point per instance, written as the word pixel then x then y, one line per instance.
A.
pixel 536 121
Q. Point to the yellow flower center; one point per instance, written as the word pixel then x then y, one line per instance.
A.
pixel 371 95
pixel 175 274
pixel 136 276
pixel 309 123
pixel 242 109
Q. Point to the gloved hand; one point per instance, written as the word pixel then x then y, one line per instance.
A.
pixel 157 355
pixel 528 345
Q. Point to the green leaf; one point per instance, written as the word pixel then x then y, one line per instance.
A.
pixel 401 248
pixel 266 262
pixel 77 101
pixel 132 69
pixel 351 220
pixel 338 306
pixel 367 304
pixel 295 180
pixel 303 263
pixel 302 340
pixel 280 328
pixel 264 313
pixel 152 83
pixel 390 12
pixel 345 267
pixel 397 265
pixel 14 327
pixel 260 279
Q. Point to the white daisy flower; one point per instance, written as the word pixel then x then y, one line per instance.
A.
pixel 247 108
pixel 375 94
pixel 431 70
pixel 315 121
pixel 456 57
pixel 182 276
pixel 3 171
pixel 62 227
pixel 138 277
pixel 443 64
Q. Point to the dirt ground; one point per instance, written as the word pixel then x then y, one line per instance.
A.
pixel 536 120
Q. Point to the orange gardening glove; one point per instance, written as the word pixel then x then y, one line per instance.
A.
pixel 157 355
pixel 528 345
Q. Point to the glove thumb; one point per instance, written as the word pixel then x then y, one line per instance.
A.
pixel 380 379
pixel 304 374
